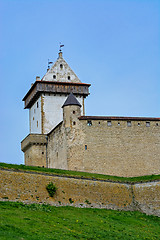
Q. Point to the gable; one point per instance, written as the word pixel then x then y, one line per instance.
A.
pixel 61 72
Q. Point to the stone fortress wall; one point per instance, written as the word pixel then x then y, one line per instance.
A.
pixel 30 187
pixel 113 146
pixel 66 139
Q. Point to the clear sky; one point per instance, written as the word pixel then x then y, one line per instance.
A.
pixel 112 44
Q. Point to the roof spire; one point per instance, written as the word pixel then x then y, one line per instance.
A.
pixel 71 100
pixel 60 50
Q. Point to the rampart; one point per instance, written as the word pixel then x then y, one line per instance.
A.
pixel 30 187
pixel 117 146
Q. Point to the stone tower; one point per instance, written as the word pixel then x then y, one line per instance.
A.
pixel 71 111
pixel 44 101
pixel 47 95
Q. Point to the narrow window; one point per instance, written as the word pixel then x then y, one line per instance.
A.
pixel 73 112
pixel 37 123
pixel 99 123
pixel 42 152
pixel 147 124
pixel 54 76
pixel 61 66
pixel 37 104
pixel 34 110
pixel 74 123
pixel 129 124
pixel 33 118
pixel 85 147
pixel 156 124
pixel 109 123
pixel 69 77
pixel 89 123
pixel 118 123
pixel 138 124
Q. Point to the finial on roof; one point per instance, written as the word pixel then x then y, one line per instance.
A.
pixel 71 100
pixel 60 50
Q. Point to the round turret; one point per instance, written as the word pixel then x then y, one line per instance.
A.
pixel 71 111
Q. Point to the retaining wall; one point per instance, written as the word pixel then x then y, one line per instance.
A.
pixel 30 187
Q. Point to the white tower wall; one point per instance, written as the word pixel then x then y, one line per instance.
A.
pixel 35 118
pixel 53 112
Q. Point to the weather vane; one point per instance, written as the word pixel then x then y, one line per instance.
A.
pixel 49 64
pixel 60 46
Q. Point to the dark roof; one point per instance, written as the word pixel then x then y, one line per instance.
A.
pixel 118 118
pixel 71 100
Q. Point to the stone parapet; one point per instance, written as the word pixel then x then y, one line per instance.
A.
pixel 31 139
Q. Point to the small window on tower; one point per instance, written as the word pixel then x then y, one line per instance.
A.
pixel 129 124
pixel 109 123
pixel 89 123
pixel 69 77
pixel 37 123
pixel 54 76
pixel 61 66
pixel 74 123
pixel 37 104
pixel 73 112
pixel 147 124
pixel 85 147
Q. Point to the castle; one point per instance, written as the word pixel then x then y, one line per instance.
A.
pixel 62 137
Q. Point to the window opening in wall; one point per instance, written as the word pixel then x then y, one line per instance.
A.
pixel 74 123
pixel 33 118
pixel 37 123
pixel 54 76
pixel 73 112
pixel 129 124
pixel 156 124
pixel 118 123
pixel 99 123
pixel 61 66
pixel 69 77
pixel 139 124
pixel 34 110
pixel 42 152
pixel 89 123
pixel 37 104
pixel 85 147
pixel 147 124
pixel 109 123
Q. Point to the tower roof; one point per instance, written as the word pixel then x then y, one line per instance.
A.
pixel 71 100
pixel 60 71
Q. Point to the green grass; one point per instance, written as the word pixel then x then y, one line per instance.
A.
pixel 80 174
pixel 43 222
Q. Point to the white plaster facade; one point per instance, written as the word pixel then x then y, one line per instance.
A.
pixel 46 112
pixel 61 72
pixel 35 117
pixel 52 110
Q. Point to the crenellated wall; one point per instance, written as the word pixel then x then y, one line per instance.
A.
pixel 30 187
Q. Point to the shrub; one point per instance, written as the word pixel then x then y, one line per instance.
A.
pixel 51 188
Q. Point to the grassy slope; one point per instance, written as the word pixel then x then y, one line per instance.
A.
pixel 43 222
pixel 80 174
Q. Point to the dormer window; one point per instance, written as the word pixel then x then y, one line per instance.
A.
pixel 69 77
pixel 54 76
pixel 61 66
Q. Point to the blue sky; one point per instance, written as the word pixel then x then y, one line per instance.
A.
pixel 112 44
